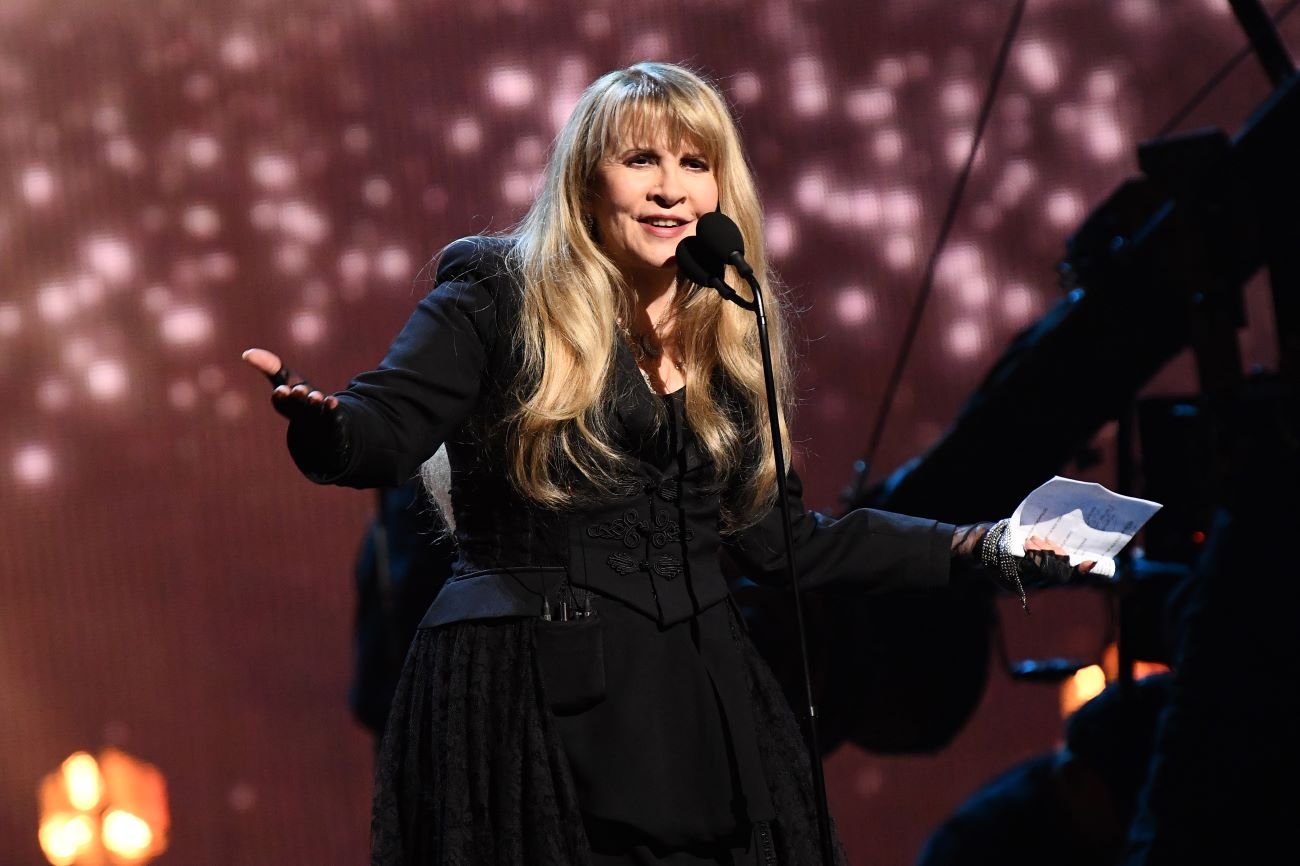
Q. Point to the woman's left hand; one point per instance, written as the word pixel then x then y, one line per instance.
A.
pixel 1046 564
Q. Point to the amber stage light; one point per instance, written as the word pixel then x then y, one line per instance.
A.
pixel 110 810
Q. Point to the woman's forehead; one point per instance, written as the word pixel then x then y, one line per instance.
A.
pixel 654 127
pixel 658 143
pixel 667 140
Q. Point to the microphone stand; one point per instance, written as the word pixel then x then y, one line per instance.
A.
pixel 778 453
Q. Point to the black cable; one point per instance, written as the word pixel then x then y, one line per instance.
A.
pixel 1218 77
pixel 954 200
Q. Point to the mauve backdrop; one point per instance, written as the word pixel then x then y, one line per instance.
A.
pixel 183 179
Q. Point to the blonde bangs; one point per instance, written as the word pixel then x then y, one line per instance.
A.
pixel 573 295
pixel 646 113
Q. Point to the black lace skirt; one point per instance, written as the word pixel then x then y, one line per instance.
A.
pixel 472 770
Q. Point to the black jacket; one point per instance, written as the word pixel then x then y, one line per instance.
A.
pixel 665 742
pixel 449 377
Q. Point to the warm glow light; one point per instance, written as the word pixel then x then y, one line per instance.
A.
pixel 464 135
pixel 1039 65
pixel 1085 685
pixel 871 104
pixel 963 339
pixel 888 145
pixel 106 379
pixel 113 807
pixel 377 192
pixel 518 187
pixel 126 835
pixel 394 263
pixel 900 251
pixel 307 327
pixel 1142 669
pixel 855 306
pixel 64 837
pixel 780 235
pixel 746 88
pixel 510 87
pixel 809 95
pixel 110 257
pixel 33 464
pixel 84 783
pixel 186 326
pixel 273 171
pixel 11 320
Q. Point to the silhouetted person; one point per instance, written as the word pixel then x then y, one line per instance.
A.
pixel 1222 784
pixel 1069 807
pixel 404 559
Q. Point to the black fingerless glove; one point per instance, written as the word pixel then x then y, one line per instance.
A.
pixel 1037 568
pixel 1041 568
pixel 318 442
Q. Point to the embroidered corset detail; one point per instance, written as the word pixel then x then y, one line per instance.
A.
pixel 667 489
pixel 627 528
pixel 630 528
pixel 661 565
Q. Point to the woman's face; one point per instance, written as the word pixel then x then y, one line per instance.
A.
pixel 645 200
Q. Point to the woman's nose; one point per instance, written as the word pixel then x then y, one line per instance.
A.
pixel 669 190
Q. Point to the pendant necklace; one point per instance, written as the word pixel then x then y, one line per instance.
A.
pixel 644 346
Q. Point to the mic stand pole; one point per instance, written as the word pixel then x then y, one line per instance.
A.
pixel 778 453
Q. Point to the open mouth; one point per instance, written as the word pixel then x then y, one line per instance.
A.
pixel 663 222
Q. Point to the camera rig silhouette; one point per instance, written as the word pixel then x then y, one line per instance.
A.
pixel 1158 268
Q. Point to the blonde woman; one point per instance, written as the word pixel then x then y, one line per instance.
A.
pixel 582 690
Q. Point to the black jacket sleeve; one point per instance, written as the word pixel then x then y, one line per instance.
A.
pixel 392 419
pixel 865 550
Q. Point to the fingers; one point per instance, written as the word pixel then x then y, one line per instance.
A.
pixel 268 363
pixel 287 399
pixel 1033 542
pixel 290 400
pixel 302 394
pixel 1042 544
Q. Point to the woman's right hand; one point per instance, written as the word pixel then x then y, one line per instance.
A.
pixel 290 398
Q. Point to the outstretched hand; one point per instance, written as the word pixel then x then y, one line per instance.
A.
pixel 1043 564
pixel 1046 563
pixel 290 398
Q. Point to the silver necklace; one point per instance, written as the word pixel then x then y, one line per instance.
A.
pixel 647 345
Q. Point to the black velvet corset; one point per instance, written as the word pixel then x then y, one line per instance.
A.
pixel 656 549
pixel 653 545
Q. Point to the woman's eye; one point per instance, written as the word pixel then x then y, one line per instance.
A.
pixel 696 164
pixel 640 159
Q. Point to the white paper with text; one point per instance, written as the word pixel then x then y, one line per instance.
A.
pixel 1083 518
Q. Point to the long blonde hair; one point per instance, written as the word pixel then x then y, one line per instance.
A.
pixel 573 294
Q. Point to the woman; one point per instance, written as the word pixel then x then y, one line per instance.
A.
pixel 582 690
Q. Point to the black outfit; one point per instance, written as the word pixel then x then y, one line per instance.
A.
pixel 647 732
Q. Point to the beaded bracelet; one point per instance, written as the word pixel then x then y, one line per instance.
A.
pixel 995 554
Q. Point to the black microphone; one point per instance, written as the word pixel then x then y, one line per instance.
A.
pixel 722 237
pixel 718 241
pixel 698 264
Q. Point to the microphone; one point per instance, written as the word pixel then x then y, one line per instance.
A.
pixel 722 237
pixel 698 264
pixel 717 242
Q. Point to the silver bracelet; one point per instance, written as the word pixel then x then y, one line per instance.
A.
pixel 995 554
